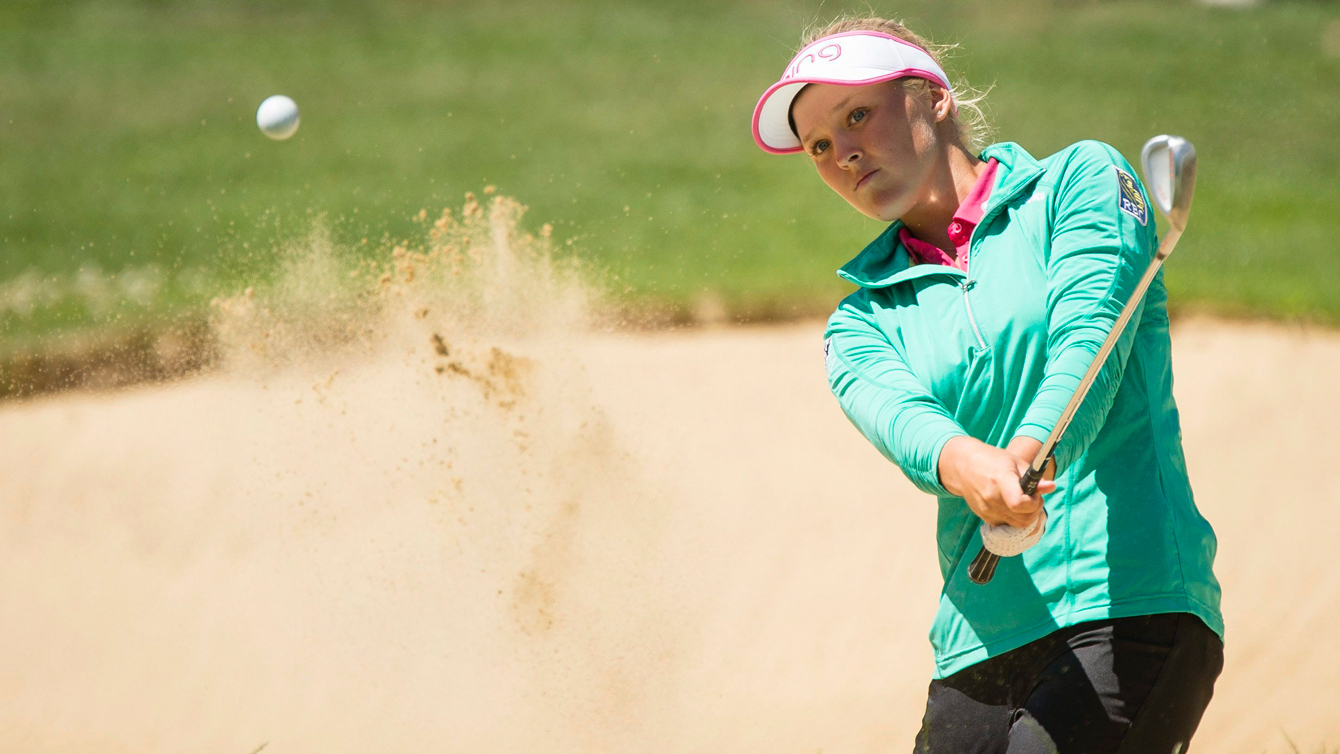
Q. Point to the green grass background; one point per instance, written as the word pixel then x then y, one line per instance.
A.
pixel 128 141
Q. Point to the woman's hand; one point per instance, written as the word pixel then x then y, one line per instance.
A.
pixel 1026 449
pixel 987 478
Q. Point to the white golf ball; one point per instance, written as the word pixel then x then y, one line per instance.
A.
pixel 277 117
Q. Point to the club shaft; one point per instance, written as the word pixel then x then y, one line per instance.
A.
pixel 1072 408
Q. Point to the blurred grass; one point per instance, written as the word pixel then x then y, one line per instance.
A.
pixel 130 152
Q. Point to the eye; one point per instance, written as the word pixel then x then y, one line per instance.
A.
pixel 819 147
pixel 857 115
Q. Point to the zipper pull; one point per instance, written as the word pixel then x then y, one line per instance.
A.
pixel 967 285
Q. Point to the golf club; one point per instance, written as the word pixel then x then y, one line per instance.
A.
pixel 1169 166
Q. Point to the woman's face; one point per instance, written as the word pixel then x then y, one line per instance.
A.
pixel 876 145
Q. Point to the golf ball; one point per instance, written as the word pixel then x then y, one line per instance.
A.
pixel 277 117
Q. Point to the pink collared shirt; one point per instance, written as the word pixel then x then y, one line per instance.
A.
pixel 967 216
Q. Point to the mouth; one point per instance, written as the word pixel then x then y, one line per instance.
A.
pixel 861 181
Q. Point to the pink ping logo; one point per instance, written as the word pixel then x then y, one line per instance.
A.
pixel 829 52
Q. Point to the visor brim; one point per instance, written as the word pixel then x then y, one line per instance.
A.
pixel 771 121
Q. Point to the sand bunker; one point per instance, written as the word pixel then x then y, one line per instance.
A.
pixel 483 527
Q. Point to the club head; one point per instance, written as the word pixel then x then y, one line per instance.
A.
pixel 1169 164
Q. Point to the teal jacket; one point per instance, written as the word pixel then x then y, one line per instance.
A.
pixel 923 353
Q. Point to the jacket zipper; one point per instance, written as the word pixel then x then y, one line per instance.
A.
pixel 967 285
pixel 968 282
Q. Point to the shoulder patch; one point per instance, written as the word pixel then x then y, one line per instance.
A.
pixel 1129 198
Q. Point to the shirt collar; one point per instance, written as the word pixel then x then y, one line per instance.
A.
pixel 970 210
pixel 966 217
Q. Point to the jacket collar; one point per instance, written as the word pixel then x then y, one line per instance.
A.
pixel 885 262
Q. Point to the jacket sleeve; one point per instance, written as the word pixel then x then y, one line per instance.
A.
pixel 885 400
pixel 1102 240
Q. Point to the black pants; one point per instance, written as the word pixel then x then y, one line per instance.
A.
pixel 1130 685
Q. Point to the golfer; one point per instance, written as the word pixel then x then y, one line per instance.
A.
pixel 976 314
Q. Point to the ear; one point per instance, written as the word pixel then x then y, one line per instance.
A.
pixel 942 102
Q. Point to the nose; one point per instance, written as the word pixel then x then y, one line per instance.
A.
pixel 850 155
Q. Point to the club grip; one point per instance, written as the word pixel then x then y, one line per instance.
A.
pixel 1029 481
pixel 983 567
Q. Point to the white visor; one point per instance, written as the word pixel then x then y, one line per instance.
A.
pixel 853 58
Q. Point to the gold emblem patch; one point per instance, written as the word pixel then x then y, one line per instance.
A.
pixel 1129 198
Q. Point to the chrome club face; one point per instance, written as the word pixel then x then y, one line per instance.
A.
pixel 1169 164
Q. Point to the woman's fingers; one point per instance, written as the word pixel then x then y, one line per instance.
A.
pixel 992 508
pixel 992 519
pixel 1023 510
pixel 1018 502
pixel 1018 521
pixel 1022 522
pixel 1016 518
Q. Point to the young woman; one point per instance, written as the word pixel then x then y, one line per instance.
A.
pixel 976 314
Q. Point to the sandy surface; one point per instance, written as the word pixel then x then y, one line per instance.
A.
pixel 650 543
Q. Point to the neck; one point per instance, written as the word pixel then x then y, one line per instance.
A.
pixel 951 181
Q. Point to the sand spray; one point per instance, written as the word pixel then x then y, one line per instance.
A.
pixel 409 525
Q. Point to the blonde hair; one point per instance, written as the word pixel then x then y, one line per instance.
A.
pixel 974 131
